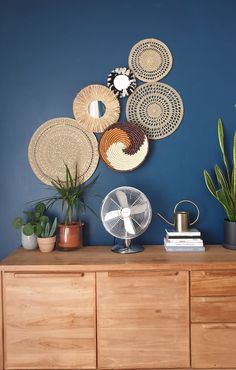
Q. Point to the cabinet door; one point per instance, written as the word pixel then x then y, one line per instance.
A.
pixel 143 320
pixel 213 346
pixel 49 321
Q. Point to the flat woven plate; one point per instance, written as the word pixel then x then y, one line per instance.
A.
pixel 96 93
pixel 123 146
pixel 150 60
pixel 157 108
pixel 59 141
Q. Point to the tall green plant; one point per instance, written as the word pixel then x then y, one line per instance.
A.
pixel 225 189
pixel 70 193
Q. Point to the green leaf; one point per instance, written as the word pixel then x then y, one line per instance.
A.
pixel 28 229
pixel 222 147
pixel 221 179
pixel 44 219
pixel 222 198
pixel 209 183
pixel 40 207
pixel 47 229
pixel 37 229
pixel 17 222
pixel 234 170
pixel 53 228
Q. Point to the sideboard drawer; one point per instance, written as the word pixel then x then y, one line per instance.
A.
pixel 213 283
pixel 213 346
pixel 213 309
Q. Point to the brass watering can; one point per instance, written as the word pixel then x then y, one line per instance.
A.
pixel 182 219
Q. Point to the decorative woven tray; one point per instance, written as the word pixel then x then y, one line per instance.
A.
pixel 123 146
pixel 59 141
pixel 96 93
pixel 150 60
pixel 157 108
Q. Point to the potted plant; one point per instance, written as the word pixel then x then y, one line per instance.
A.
pixel 46 236
pixel 31 226
pixel 225 191
pixel 70 193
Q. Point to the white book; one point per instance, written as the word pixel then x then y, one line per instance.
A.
pixel 184 249
pixel 183 242
pixel 186 234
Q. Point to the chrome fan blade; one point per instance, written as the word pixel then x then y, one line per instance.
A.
pixel 129 226
pixel 122 198
pixel 112 214
pixel 139 208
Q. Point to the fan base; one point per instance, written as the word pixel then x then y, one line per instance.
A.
pixel 121 248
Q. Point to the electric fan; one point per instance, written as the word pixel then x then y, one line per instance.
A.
pixel 126 213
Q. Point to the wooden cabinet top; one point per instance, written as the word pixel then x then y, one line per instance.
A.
pixel 100 258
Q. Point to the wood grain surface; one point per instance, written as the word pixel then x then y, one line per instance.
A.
pixel 143 320
pixel 100 258
pixel 49 321
pixel 213 346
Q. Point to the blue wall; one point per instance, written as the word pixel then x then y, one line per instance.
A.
pixel 50 49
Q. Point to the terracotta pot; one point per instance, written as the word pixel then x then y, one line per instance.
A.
pixel 46 245
pixel 70 236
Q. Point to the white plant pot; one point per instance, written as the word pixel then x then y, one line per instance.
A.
pixel 28 242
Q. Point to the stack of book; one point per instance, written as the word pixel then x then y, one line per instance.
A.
pixel 185 241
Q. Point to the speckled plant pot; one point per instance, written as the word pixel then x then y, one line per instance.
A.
pixel 229 234
pixel 46 245
pixel 28 242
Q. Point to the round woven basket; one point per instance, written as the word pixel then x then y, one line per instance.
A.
pixel 61 141
pixel 150 60
pixel 123 146
pixel 96 93
pixel 157 108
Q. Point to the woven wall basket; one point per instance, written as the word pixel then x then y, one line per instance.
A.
pixel 157 108
pixel 93 94
pixel 123 146
pixel 150 60
pixel 59 141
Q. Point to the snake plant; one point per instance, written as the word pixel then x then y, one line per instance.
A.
pixel 224 189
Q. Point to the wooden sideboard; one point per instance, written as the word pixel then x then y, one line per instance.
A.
pixel 94 309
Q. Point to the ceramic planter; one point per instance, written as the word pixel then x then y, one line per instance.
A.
pixel 229 234
pixel 70 236
pixel 28 242
pixel 46 245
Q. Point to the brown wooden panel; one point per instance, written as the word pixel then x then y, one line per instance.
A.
pixel 143 320
pixel 213 283
pixel 49 321
pixel 213 309
pixel 1 328
pixel 213 345
pixel 100 258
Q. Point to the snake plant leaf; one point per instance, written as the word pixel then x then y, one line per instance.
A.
pixel 222 198
pixel 223 183
pixel 209 183
pixel 234 170
pixel 222 146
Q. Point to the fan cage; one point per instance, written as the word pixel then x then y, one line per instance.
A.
pixel 116 226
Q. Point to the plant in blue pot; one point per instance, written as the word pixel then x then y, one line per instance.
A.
pixel 224 188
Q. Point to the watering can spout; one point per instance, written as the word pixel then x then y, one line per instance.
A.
pixel 170 223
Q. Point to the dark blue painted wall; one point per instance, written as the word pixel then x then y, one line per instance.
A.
pixel 50 49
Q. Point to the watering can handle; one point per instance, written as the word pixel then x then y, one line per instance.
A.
pixel 189 201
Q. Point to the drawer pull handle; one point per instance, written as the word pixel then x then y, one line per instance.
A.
pixel 219 326
pixel 142 273
pixel 54 274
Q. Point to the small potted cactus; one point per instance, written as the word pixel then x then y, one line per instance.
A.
pixel 46 237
